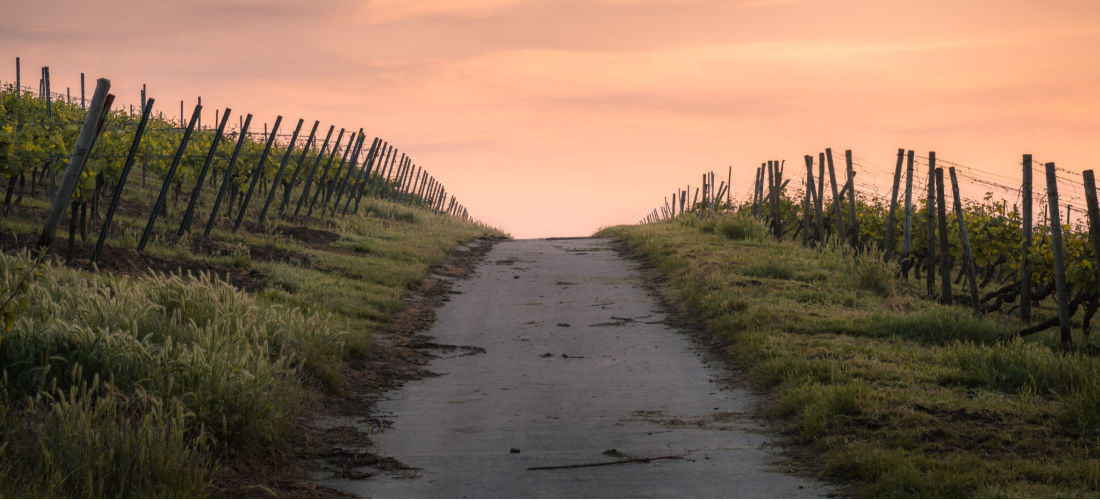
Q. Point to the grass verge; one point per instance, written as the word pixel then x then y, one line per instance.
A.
pixel 895 396
pixel 147 384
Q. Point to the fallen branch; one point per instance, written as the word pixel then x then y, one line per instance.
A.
pixel 616 462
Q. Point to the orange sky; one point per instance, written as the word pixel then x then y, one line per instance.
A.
pixel 556 117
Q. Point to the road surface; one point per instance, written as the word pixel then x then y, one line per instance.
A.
pixel 565 359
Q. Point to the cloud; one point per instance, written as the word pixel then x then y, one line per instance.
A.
pixel 392 11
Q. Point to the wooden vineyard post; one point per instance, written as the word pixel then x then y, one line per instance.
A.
pixel 19 81
pixel 852 198
pixel 185 225
pixel 968 256
pixel 777 215
pixel 308 182
pixel 770 217
pixel 364 174
pixel 812 191
pixel 888 240
pixel 158 205
pixel 228 177
pixel 945 255
pixel 930 210
pixel 1093 218
pixel 335 177
pixel 257 172
pixel 1058 249
pixel 46 90
pixel 1025 258
pixel 729 187
pixel 755 193
pixel 279 173
pixel 298 166
pixel 907 234
pixel 381 172
pixel 351 169
pixel 821 183
pixel 805 208
pixel 89 131
pixel 130 156
pixel 836 196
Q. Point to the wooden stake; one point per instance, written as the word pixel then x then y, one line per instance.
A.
pixel 930 209
pixel 130 156
pixel 852 199
pixel 1059 257
pixel 836 196
pixel 907 235
pixel 945 255
pixel 185 225
pixel 89 132
pixel 968 257
pixel 257 172
pixel 313 171
pixel 227 178
pixel 1025 258
pixel 279 173
pixel 1094 219
pixel 158 205
pixel 888 241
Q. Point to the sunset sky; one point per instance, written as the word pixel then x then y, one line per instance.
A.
pixel 557 117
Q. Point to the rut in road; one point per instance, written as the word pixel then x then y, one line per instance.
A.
pixel 568 361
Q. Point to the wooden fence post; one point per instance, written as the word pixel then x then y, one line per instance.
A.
pixel 185 225
pixel 89 131
pixel 852 199
pixel 945 254
pixel 227 178
pixel 1093 218
pixel 888 241
pixel 351 170
pixel 812 190
pixel 930 209
pixel 330 184
pixel 836 196
pixel 805 208
pixel 258 171
pixel 158 205
pixel 907 236
pixel 298 167
pixel 1025 258
pixel 308 182
pixel 1058 249
pixel 130 156
pixel 343 175
pixel 968 256
pixel 279 173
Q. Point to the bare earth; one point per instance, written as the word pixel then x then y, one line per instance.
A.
pixel 553 354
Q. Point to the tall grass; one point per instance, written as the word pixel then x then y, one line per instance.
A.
pixel 111 377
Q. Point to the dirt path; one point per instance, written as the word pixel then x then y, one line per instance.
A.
pixel 553 354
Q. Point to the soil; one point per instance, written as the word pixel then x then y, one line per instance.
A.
pixel 332 444
pixel 130 262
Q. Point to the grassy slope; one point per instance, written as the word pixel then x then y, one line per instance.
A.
pixel 894 395
pixel 144 385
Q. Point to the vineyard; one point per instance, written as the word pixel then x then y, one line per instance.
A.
pixel 207 178
pixel 981 253
pixel 212 285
